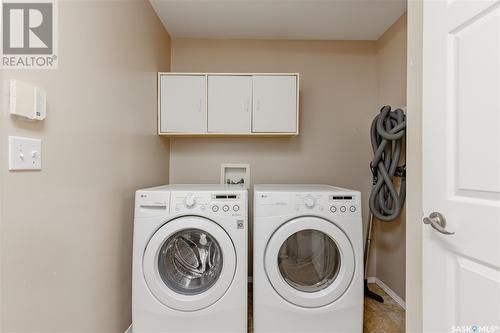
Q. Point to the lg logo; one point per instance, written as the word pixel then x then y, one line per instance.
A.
pixel 27 28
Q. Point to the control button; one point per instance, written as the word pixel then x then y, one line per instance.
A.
pixel 333 209
pixel 225 208
pixel 343 209
pixel 352 209
pixel 309 201
pixel 236 208
pixel 215 208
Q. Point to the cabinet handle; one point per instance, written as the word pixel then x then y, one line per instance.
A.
pixel 247 105
pixel 199 107
pixel 258 105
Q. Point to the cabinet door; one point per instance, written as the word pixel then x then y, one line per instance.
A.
pixel 229 104
pixel 183 105
pixel 274 103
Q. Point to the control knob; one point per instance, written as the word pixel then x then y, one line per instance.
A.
pixel 190 201
pixel 309 201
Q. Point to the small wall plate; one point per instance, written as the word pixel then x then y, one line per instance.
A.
pixel 235 174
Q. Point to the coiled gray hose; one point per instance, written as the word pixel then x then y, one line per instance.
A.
pixel 387 134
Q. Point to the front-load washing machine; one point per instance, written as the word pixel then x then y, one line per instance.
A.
pixel 190 259
pixel 308 259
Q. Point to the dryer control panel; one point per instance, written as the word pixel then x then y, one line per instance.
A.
pixel 321 202
pixel 219 203
pixel 342 204
pixel 332 204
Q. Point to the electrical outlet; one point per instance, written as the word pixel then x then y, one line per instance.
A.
pixel 25 153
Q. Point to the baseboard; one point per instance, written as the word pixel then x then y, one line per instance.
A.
pixel 388 290
pixel 129 329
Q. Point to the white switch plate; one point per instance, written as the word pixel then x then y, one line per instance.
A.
pixel 25 153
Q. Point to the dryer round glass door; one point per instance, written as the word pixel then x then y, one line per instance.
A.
pixel 309 261
pixel 189 263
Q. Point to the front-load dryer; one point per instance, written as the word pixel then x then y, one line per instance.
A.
pixel 190 259
pixel 308 255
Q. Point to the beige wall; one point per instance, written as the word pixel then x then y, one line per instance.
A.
pixel 343 85
pixel 337 102
pixel 66 232
pixel 391 90
pixel 414 212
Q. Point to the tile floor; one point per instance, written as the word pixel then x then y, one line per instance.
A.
pixel 387 317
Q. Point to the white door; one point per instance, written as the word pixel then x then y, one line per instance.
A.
pixel 461 164
pixel 229 104
pixel 183 106
pixel 274 103
pixel 189 263
pixel 309 261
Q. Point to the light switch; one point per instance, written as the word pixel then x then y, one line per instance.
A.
pixel 25 153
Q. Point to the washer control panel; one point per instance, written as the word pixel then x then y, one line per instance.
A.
pixel 227 203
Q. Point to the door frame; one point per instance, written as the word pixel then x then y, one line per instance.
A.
pixel 414 208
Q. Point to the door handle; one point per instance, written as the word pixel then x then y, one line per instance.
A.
pixel 438 222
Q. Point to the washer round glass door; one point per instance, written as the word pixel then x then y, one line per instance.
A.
pixel 309 261
pixel 189 263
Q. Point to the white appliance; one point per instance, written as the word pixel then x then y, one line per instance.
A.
pixel 308 259
pixel 190 259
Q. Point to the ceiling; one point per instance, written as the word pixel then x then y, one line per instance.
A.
pixel 279 19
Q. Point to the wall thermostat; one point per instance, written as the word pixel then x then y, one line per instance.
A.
pixel 27 101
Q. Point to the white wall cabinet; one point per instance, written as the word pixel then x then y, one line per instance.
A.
pixel 183 104
pixel 213 104
pixel 274 103
pixel 229 104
